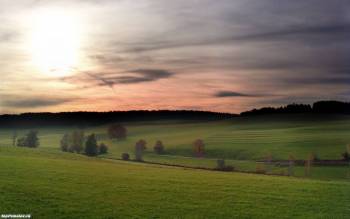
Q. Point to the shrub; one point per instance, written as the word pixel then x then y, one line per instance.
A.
pixel 21 142
pixel 125 156
pixel 140 146
pixel 103 149
pixel 91 148
pixel 228 168
pixel 222 166
pixel 64 143
pixel 158 147
pixel 198 148
pixel 346 156
pixel 315 156
pixel 117 131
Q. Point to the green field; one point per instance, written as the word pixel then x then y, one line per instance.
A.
pixel 51 184
pixel 240 141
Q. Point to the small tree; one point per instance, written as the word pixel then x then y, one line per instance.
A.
pixel 140 146
pixel 64 143
pixel 117 131
pixel 32 139
pixel 91 148
pixel 198 148
pixel 77 141
pixel 103 149
pixel 158 147
pixel 125 156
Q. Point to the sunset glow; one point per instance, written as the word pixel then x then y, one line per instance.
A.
pixel 126 55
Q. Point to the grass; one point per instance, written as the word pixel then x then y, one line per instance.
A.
pixel 240 141
pixel 51 184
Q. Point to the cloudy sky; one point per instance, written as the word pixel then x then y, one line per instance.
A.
pixel 225 55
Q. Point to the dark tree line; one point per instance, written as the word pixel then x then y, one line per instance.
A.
pixel 83 119
pixel 321 107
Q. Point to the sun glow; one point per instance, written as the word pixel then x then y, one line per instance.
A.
pixel 55 42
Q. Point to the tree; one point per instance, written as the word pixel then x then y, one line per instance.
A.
pixel 91 148
pixel 198 148
pixel 117 131
pixel 64 143
pixel 158 147
pixel 31 140
pixel 103 149
pixel 140 146
pixel 77 141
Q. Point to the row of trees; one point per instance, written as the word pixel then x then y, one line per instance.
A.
pixel 158 148
pixel 120 132
pixel 140 147
pixel 76 142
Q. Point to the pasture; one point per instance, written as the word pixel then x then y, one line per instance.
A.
pixel 47 183
pixel 240 141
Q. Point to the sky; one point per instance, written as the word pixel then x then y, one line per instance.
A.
pixel 225 55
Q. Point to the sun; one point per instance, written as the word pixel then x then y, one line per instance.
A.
pixel 55 42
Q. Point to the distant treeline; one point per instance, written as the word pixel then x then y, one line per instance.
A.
pixel 321 107
pixel 83 119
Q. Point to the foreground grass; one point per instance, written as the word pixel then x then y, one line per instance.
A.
pixel 51 184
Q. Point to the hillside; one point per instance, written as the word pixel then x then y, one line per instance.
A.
pixel 51 184
pixel 241 141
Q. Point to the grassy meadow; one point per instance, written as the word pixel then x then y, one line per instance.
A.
pixel 240 141
pixel 50 184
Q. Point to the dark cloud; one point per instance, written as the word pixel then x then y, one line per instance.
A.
pixel 127 77
pixel 309 34
pixel 335 80
pixel 235 94
pixel 144 75
pixel 33 102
